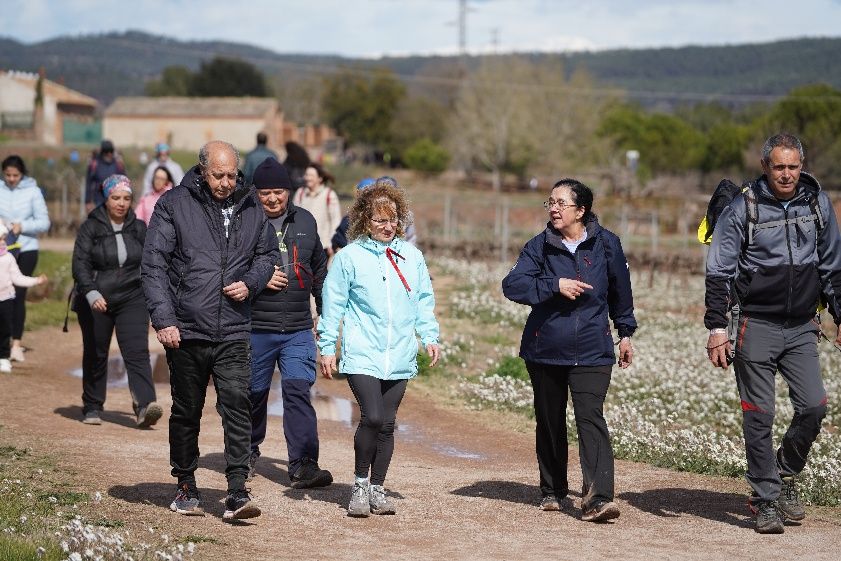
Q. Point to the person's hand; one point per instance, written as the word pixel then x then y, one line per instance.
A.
pixel 626 352
pixel 434 352
pixel 100 305
pixel 89 207
pixel 236 291
pixel 169 337
pixel 329 251
pixel 838 336
pixel 16 228
pixel 42 279
pixel 572 288
pixel 328 365
pixel 279 280
pixel 718 349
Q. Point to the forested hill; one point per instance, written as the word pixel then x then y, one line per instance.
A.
pixel 108 65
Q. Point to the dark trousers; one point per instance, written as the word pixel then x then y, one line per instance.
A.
pixel 190 368
pixel 373 443
pixel 6 311
pixel 762 349
pixel 27 260
pixel 588 386
pixel 294 355
pixel 131 322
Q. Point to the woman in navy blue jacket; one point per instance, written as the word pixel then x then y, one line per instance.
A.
pixel 574 276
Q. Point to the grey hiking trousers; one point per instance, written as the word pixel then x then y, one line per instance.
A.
pixel 764 347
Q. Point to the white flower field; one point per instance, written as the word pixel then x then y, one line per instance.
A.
pixel 671 408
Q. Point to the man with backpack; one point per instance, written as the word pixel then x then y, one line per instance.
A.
pixel 776 251
pixel 101 167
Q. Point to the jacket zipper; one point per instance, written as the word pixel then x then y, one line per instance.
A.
pixel 790 263
pixel 577 312
pixel 388 306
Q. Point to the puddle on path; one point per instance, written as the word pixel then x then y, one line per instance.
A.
pixel 327 407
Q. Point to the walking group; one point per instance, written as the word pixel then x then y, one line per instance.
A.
pixel 231 268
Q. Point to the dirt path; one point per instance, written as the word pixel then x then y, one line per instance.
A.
pixel 464 490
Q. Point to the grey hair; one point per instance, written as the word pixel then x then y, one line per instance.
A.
pixel 204 152
pixel 781 140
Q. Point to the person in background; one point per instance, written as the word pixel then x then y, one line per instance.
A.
pixel 162 181
pixel 379 290
pixel 296 162
pixel 575 277
pixel 10 277
pixel 209 252
pixel 162 158
pixel 256 157
pixel 109 297
pixel 322 202
pixel 101 167
pixel 339 239
pixel 281 329
pixel 24 213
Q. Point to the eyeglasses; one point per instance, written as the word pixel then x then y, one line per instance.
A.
pixel 551 202
pixel 383 221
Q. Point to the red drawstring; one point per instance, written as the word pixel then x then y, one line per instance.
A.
pixel 297 266
pixel 388 253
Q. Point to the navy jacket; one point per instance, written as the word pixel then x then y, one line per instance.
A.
pixel 288 310
pixel 565 332
pixel 187 259
pixel 96 265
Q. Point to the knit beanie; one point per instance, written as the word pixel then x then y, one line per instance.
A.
pixel 116 182
pixel 271 174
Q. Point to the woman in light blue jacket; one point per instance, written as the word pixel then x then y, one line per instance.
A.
pixel 24 212
pixel 379 288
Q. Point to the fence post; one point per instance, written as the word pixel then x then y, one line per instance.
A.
pixel 448 209
pixel 655 232
pixel 506 231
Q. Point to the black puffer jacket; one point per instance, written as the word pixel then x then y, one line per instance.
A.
pixel 187 260
pixel 95 263
pixel 289 309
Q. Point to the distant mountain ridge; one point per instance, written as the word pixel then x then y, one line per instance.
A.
pixel 112 64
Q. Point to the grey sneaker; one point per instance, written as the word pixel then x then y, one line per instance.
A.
pixel 359 500
pixel 252 465
pixel 92 418
pixel 768 520
pixel 550 502
pixel 187 500
pixel 379 501
pixel 788 504
pixel 600 512
pixel 149 415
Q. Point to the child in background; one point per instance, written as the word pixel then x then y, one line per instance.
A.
pixel 10 276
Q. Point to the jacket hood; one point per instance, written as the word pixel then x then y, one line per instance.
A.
pixel 806 184
pixel 554 238
pixel 26 182
pixel 374 246
pixel 198 187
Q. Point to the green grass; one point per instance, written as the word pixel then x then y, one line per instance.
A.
pixel 511 367
pixel 46 305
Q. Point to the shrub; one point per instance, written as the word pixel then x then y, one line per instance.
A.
pixel 426 155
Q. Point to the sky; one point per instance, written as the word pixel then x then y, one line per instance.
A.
pixel 373 28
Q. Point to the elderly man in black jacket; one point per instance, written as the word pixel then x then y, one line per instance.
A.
pixel 282 328
pixel 209 251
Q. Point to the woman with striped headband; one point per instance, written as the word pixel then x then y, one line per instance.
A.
pixel 106 268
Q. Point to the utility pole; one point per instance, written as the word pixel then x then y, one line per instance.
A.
pixel 462 27
pixel 495 39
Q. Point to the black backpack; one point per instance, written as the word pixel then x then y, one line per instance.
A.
pixel 726 191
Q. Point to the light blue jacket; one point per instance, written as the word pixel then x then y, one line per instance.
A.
pixel 380 316
pixel 25 205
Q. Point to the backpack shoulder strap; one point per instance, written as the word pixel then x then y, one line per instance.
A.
pixel 751 211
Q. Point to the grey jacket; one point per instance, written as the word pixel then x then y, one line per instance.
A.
pixel 789 267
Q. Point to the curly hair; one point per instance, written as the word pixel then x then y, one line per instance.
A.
pixel 378 198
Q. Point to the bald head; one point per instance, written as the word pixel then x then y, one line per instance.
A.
pixel 219 162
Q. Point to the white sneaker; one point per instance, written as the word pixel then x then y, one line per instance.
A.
pixel 16 354
pixel 5 366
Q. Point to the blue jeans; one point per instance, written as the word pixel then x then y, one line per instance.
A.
pixel 294 355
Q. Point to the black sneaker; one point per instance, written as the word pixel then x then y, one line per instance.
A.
pixel 238 506
pixel 788 504
pixel 252 465
pixel 187 500
pixel 310 475
pixel 550 503
pixel 768 519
